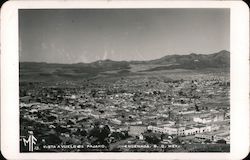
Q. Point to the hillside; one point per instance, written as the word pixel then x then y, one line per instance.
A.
pixel 193 61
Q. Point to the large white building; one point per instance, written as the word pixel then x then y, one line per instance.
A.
pixel 214 136
pixel 181 130
pixel 213 116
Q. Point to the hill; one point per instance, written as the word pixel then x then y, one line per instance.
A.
pixel 193 61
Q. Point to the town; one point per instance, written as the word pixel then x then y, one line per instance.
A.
pixel 125 114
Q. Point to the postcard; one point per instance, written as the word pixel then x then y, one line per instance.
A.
pixel 124 80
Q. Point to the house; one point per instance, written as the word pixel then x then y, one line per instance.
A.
pixel 141 137
pixel 219 116
pixel 204 137
pixel 116 121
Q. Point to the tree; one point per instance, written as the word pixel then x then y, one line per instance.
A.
pixel 152 138
pixel 105 131
pixel 197 107
pixel 221 141
pixel 176 140
pixel 207 141
pixel 99 134
pixel 101 111
pixel 81 132
pixel 53 139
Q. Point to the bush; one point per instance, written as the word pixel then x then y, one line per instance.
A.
pixel 152 138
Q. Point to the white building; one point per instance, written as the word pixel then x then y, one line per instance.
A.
pixel 116 121
pixel 181 130
pixel 202 119
pixel 214 116
pixel 171 130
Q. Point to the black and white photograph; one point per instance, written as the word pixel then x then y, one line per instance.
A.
pixel 124 80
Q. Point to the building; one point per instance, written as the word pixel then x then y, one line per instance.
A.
pixel 166 129
pixel 116 121
pixel 214 136
pixel 137 130
pixel 180 130
pixel 213 116
pixel 205 119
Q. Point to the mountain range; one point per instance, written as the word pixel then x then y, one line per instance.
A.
pixel 36 70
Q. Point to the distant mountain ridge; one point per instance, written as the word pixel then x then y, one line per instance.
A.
pixel 195 61
pixel 191 57
pixel 222 56
pixel 106 67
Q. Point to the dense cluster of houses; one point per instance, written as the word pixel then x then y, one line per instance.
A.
pixel 197 110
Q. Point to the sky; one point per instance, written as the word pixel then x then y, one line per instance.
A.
pixel 88 35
